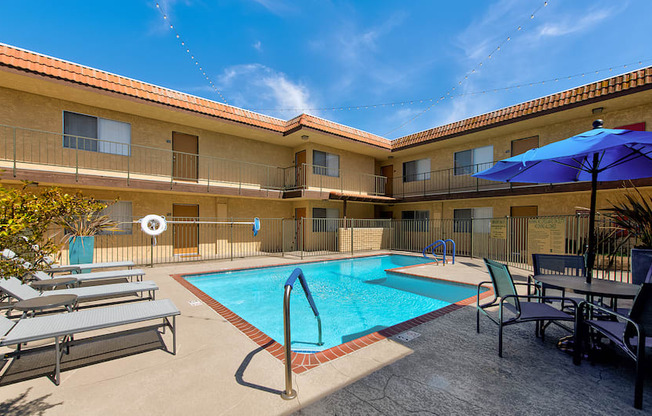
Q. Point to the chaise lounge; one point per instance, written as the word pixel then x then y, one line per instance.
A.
pixel 61 327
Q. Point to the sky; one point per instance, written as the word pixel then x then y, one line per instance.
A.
pixel 346 61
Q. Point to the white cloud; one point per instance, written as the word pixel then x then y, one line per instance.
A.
pixel 257 45
pixel 570 24
pixel 260 87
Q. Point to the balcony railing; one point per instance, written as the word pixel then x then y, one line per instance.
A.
pixel 23 148
pixel 445 181
pixel 307 176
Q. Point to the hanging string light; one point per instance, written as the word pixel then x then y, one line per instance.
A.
pixel 638 63
pixel 190 54
pixel 466 76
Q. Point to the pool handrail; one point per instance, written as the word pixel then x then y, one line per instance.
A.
pixel 453 243
pixel 433 246
pixel 290 393
pixel 436 244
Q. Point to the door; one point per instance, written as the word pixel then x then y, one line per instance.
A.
pixel 521 146
pixel 388 172
pixel 518 232
pixel 299 169
pixel 185 159
pixel 186 236
pixel 300 234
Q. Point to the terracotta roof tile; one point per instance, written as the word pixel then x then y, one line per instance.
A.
pixel 613 85
pixel 45 65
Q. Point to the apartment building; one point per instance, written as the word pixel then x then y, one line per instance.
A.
pixel 165 152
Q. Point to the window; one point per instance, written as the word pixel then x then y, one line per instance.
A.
pixel 324 219
pixel 416 220
pixel 121 213
pixel 473 160
pixel 476 220
pixel 416 170
pixel 521 146
pixel 325 164
pixel 96 134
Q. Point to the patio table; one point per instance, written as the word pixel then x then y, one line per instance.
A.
pixel 41 285
pixel 42 303
pixel 597 287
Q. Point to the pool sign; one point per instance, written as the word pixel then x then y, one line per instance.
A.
pixel 546 235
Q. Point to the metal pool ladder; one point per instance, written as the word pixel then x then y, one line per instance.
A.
pixel 290 393
pixel 436 244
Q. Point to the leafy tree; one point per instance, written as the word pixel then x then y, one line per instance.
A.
pixel 25 218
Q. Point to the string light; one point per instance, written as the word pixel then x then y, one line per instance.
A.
pixel 477 67
pixel 191 55
pixel 450 95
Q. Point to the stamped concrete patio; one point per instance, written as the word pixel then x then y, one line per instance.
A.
pixel 448 369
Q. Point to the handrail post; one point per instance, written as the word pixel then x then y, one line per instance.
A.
pixel 231 239
pixel 77 160
pixel 14 151
pixel 289 393
pixel 128 165
pixel 351 228
pixel 282 237
pixel 471 237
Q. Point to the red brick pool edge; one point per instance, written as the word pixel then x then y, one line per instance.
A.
pixel 303 362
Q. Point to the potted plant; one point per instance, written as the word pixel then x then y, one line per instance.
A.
pixel 633 213
pixel 81 224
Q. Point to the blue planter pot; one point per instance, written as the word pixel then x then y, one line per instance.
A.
pixel 641 262
pixel 80 249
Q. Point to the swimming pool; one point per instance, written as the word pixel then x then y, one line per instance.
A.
pixel 355 297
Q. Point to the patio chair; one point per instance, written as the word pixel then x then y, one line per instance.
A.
pixel 562 264
pixel 61 327
pixel 632 333
pixel 20 291
pixel 96 276
pixel 524 308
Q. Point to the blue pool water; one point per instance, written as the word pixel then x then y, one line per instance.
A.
pixel 355 297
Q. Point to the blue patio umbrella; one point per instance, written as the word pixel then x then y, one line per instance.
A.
pixel 596 155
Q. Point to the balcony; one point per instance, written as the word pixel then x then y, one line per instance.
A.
pixel 326 180
pixel 29 154
pixel 451 181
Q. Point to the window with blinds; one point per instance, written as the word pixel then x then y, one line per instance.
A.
pixel 326 164
pixel 416 220
pixel 416 170
pixel 325 219
pixel 475 160
pixel 121 213
pixel 95 134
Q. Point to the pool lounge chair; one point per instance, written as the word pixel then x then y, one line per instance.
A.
pixel 507 299
pixel 61 327
pixel 95 276
pixel 89 266
pixel 20 291
pixel 632 333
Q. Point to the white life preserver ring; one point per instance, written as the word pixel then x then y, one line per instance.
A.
pixel 153 225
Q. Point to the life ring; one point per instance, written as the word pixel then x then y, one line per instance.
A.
pixel 153 225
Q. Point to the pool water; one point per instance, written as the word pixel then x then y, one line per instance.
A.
pixel 354 297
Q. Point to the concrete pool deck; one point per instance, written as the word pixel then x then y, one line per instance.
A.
pixel 220 370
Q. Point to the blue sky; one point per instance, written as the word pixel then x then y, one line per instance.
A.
pixel 305 56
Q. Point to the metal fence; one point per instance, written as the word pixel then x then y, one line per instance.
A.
pixel 511 240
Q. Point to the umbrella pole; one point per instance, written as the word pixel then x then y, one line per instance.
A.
pixel 590 257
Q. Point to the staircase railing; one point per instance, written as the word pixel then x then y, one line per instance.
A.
pixel 290 393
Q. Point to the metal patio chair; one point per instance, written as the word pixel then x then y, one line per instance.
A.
pixel 523 308
pixel 561 264
pixel 632 333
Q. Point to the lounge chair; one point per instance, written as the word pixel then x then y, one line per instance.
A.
pixel 632 333
pixel 58 268
pixel 95 276
pixel 507 298
pixel 16 289
pixel 61 327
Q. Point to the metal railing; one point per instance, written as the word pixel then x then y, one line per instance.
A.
pixel 446 181
pixel 510 240
pixel 308 176
pixel 290 393
pixel 24 148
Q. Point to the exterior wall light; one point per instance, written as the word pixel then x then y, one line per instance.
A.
pixel 597 110
pixel 304 137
